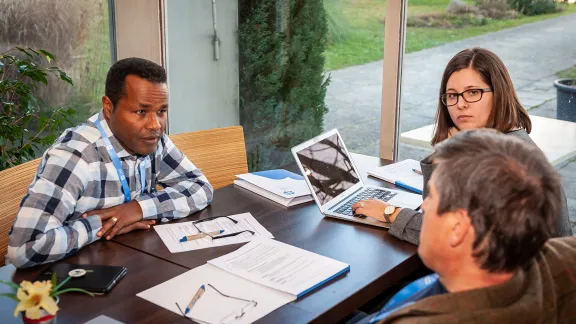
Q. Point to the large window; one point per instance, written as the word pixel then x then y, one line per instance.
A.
pixel 77 32
pixel 354 62
pixel 537 49
pixel 282 79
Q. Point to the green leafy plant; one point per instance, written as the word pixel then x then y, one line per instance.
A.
pixel 26 122
pixel 37 296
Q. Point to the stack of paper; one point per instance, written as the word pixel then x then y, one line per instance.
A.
pixel 284 187
pixel 265 271
pixel 404 174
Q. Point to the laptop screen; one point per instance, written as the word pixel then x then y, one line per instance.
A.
pixel 328 168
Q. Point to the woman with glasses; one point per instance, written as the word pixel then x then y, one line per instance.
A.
pixel 476 92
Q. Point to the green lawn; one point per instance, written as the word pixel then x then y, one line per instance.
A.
pixel 361 21
pixel 568 74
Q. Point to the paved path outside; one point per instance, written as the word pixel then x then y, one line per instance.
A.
pixel 533 54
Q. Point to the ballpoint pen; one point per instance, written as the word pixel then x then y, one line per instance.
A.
pixel 200 235
pixel 197 296
pixel 417 171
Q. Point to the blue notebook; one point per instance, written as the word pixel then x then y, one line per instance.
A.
pixel 279 182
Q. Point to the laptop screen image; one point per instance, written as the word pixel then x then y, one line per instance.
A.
pixel 328 167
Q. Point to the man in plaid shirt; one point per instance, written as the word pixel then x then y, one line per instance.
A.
pixel 78 195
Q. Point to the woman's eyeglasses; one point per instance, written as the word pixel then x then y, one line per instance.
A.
pixel 219 236
pixel 233 316
pixel 470 96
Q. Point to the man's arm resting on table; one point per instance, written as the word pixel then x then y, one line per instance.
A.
pixel 41 233
pixel 31 246
pixel 186 189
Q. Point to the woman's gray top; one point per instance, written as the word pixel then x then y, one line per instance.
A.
pixel 407 224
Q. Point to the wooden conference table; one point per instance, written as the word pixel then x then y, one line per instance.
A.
pixel 377 261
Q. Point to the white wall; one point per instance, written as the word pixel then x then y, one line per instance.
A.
pixel 203 91
pixel 138 29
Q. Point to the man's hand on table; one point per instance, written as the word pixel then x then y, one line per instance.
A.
pixel 120 219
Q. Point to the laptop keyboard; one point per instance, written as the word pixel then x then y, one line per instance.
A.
pixel 367 193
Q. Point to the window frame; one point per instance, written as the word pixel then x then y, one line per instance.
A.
pixel 139 26
pixel 394 45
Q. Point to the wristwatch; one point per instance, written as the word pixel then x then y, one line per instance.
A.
pixel 388 211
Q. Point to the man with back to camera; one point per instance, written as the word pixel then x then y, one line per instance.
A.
pixel 485 234
pixel 99 178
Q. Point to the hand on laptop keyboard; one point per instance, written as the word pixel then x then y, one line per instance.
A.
pixel 368 193
pixel 372 208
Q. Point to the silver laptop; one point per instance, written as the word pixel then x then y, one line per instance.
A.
pixel 335 182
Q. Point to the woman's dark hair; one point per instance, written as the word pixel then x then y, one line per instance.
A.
pixel 507 113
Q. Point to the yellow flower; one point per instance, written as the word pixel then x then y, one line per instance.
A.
pixel 34 296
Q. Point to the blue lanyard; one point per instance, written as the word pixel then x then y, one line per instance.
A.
pixel 397 301
pixel 118 165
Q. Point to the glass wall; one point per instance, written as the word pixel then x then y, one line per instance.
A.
pixel 354 63
pixel 537 49
pixel 77 32
pixel 307 67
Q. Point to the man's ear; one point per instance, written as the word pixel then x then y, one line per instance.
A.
pixel 461 226
pixel 107 107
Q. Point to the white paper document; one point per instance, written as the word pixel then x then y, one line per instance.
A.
pixel 281 266
pixel 258 278
pixel 172 233
pixel 213 307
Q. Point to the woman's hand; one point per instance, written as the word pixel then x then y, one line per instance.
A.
pixel 373 208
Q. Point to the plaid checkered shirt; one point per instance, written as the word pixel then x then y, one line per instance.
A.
pixel 76 175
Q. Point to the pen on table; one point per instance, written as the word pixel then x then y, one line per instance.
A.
pixel 417 171
pixel 197 296
pixel 407 186
pixel 200 235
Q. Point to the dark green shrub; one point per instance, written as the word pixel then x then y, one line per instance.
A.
pixel 496 9
pixel 282 83
pixel 534 7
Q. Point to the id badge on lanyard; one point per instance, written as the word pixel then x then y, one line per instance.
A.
pixel 118 165
pixel 395 303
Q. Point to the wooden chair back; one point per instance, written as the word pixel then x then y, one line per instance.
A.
pixel 220 153
pixel 14 184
